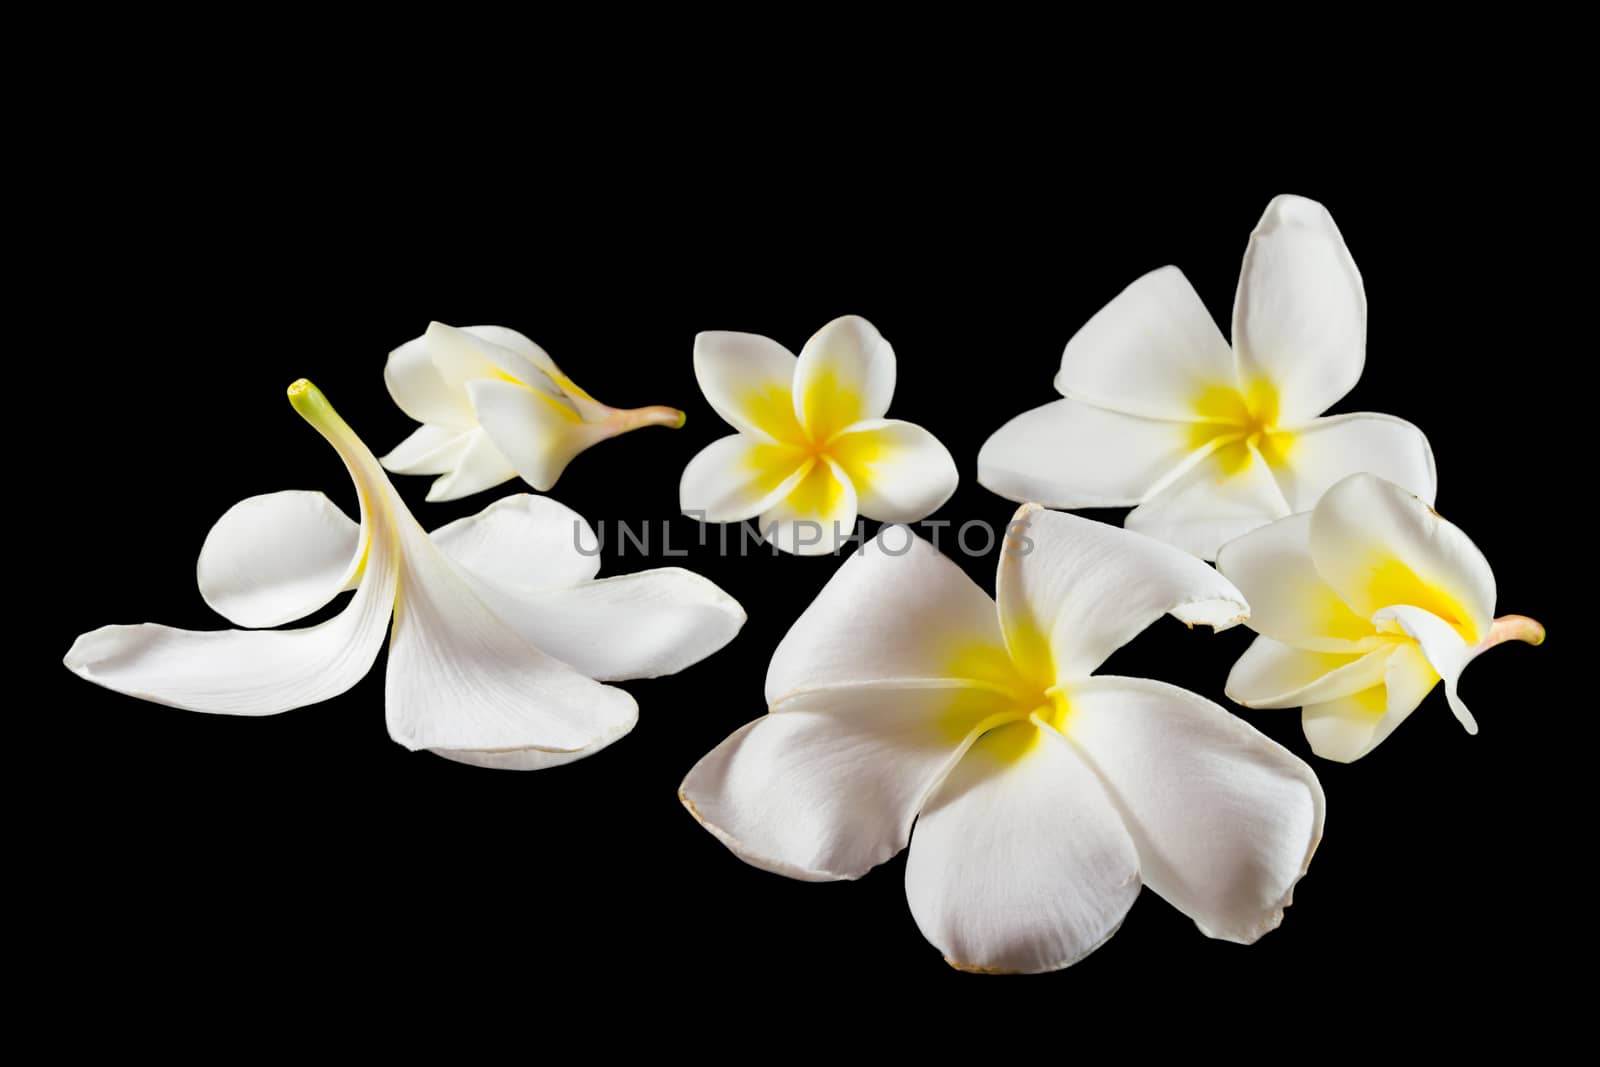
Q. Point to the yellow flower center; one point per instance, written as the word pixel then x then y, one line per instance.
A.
pixel 1243 423
pixel 1003 708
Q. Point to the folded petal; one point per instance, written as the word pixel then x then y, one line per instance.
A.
pixel 748 380
pixel 1300 313
pixel 428 450
pixel 826 787
pixel 461 678
pixel 738 477
pixel 1153 351
pixel 817 516
pixel 1020 865
pixel 521 346
pixel 422 392
pixel 1442 646
pixel 896 610
pixel 900 471
pixel 464 356
pixel 1225 820
pixel 278 557
pixel 535 432
pixel 1323 451
pixel 523 543
pixel 261 672
pixel 1378 545
pixel 1225 495
pixel 480 466
pixel 1082 589
pixel 845 374
pixel 1274 675
pixel 1346 729
pixel 640 625
pixel 1069 454
pixel 1289 600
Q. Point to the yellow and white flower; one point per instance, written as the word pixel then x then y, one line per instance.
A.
pixel 493 406
pixel 1363 605
pixel 813 449
pixel 1043 796
pixel 500 628
pixel 1212 441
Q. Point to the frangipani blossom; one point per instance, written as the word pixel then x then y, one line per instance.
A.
pixel 813 449
pixel 500 628
pixel 1212 441
pixel 1042 795
pixel 1362 605
pixel 494 406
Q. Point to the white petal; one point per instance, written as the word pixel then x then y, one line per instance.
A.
pixel 519 344
pixel 1378 545
pixel 1326 450
pixel 523 543
pixel 1152 351
pixel 738 477
pixel 428 450
pixel 1274 675
pixel 845 374
pixel 1020 865
pixel 896 610
pixel 1225 819
pixel 480 467
pixel 1289 600
pixel 900 471
pixel 421 392
pixel 640 625
pixel 535 432
pixel 748 380
pixel 528 759
pixel 826 787
pixel 278 557
pixel 1300 314
pixel 465 356
pixel 460 678
pixel 1068 454
pixel 261 672
pixel 1444 649
pixel 817 516
pixel 1348 728
pixel 1083 589
pixel 1226 495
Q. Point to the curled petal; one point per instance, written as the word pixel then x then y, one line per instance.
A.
pixel 1289 600
pixel 422 392
pixel 1300 313
pixel 900 471
pixel 1020 864
pixel 1378 545
pixel 1070 454
pixel 1153 351
pixel 428 450
pixel 537 433
pixel 845 374
pixel 1083 589
pixel 1345 729
pixel 1444 649
pixel 480 466
pixel 278 557
pixel 1225 819
pixel 1274 675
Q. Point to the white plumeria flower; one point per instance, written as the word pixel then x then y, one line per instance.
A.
pixel 1043 796
pixel 1362 605
pixel 1209 441
pixel 494 406
pixel 813 449
pixel 500 627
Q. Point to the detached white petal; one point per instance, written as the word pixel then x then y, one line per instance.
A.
pixel 813 448
pixel 1211 443
pixel 906 704
pixel 1364 603
pixel 464 678
pixel 494 405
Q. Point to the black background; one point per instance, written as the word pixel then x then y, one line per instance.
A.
pixel 211 273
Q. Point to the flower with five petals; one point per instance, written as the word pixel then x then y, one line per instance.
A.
pixel 1363 604
pixel 1043 795
pixel 500 629
pixel 493 406
pixel 813 449
pixel 1211 441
